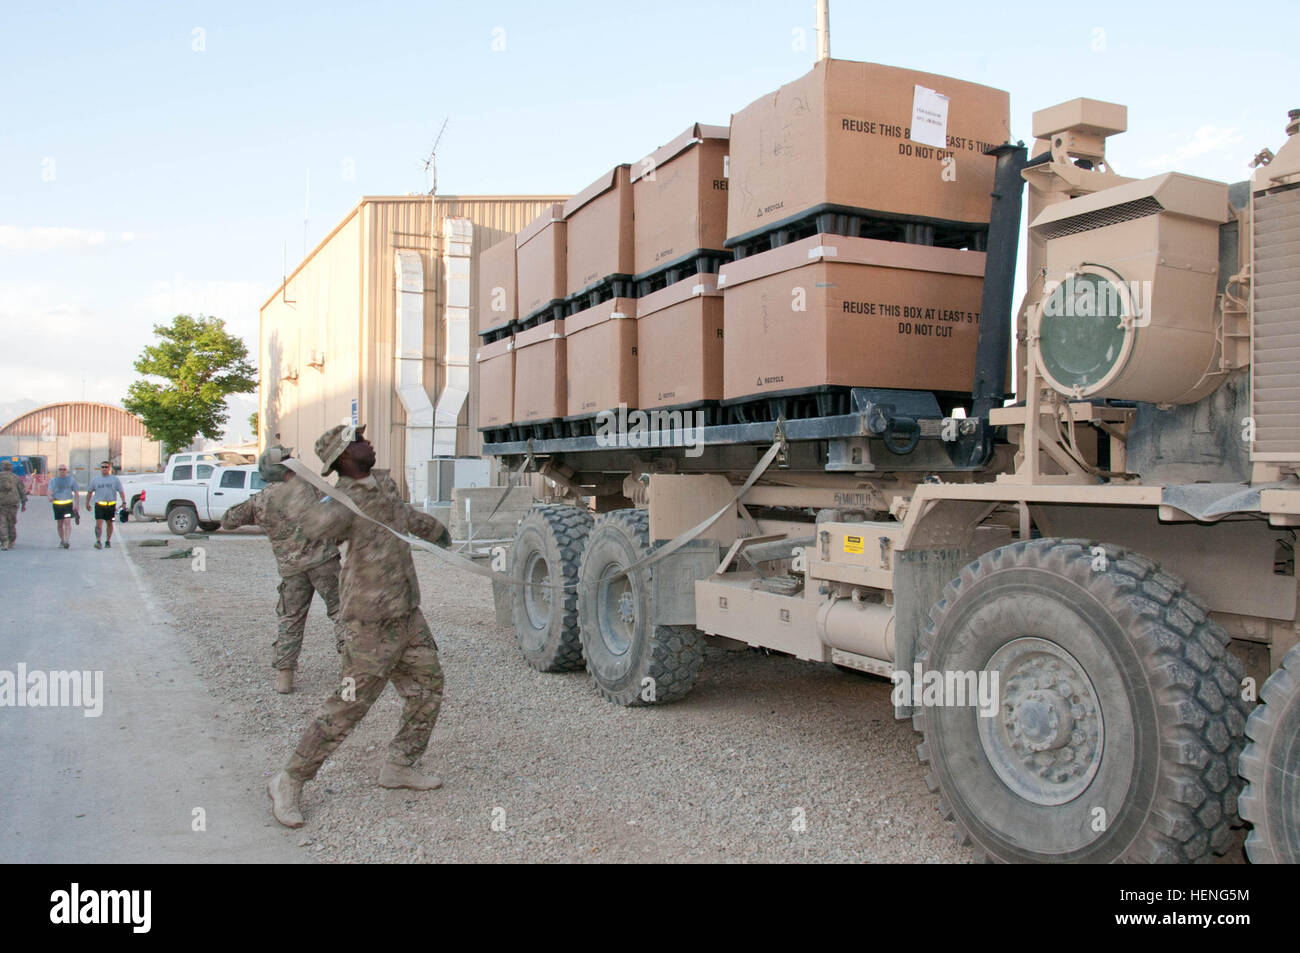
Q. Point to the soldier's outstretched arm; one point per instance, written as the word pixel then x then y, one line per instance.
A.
pixel 244 514
pixel 421 524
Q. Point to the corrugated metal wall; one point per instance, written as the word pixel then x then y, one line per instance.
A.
pixel 82 430
pixel 308 356
pixel 341 303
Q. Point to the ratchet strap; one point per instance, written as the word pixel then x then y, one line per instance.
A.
pixel 468 565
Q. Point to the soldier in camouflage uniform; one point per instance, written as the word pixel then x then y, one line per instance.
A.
pixel 306 565
pixel 13 493
pixel 386 637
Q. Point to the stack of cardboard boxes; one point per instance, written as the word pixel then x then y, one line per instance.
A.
pixel 600 329
pixel 855 200
pixel 836 149
pixel 681 224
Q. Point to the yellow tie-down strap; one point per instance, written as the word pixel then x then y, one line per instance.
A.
pixel 468 565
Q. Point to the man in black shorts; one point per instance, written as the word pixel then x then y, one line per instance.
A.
pixel 63 495
pixel 102 495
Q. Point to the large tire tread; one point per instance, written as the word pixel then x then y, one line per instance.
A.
pixel 676 651
pixel 1195 680
pixel 565 528
pixel 1267 842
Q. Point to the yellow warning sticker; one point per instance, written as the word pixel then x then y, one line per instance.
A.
pixel 853 544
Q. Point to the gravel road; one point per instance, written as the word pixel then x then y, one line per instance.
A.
pixel 538 767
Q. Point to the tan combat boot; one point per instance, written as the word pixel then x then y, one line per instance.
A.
pixel 285 792
pixel 284 681
pixel 405 776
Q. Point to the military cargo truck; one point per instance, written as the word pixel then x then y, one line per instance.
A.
pixel 1112 554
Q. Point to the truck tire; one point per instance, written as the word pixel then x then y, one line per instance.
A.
pixel 137 510
pixel 208 527
pixel 548 548
pixel 182 520
pixel 1271 766
pixel 632 660
pixel 1119 717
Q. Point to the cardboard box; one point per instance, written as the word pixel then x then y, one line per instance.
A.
pixel 496 383
pixel 600 230
pixel 680 199
pixel 842 135
pixel 602 358
pixel 540 255
pixel 679 344
pixel 853 312
pixel 497 300
pixel 541 383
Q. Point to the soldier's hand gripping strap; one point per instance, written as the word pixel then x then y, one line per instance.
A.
pixel 461 562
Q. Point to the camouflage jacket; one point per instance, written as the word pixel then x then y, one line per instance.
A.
pixel 378 579
pixel 271 509
pixel 12 489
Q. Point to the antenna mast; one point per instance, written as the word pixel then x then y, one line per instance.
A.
pixel 431 163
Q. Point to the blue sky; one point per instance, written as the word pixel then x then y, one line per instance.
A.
pixel 154 156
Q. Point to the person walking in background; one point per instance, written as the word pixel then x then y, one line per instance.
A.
pixel 63 497
pixel 103 494
pixel 307 566
pixel 13 493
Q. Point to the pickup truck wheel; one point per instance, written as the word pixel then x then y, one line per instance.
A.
pixel 137 509
pixel 632 660
pixel 182 520
pixel 548 549
pixel 1271 766
pixel 1118 719
pixel 209 527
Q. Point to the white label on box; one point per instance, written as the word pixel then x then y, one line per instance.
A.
pixel 930 118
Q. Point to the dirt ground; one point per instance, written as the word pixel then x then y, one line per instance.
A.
pixel 768 759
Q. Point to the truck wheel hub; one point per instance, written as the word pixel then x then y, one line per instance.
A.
pixel 1045 742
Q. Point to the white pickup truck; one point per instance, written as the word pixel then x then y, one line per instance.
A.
pixel 187 506
pixel 189 467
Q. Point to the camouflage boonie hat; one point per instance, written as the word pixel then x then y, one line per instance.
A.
pixel 271 463
pixel 331 444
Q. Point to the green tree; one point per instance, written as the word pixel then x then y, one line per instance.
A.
pixel 199 364
pixel 252 422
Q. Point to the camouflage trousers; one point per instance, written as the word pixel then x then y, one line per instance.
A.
pixel 295 599
pixel 9 523
pixel 399 650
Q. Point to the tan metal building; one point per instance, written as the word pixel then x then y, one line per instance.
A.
pixel 81 434
pixel 379 323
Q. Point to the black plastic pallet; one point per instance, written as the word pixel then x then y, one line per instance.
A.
pixel 613 286
pixel 498 333
pixel 701 262
pixel 861 223
pixel 552 311
pixel 552 428
pixel 795 404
